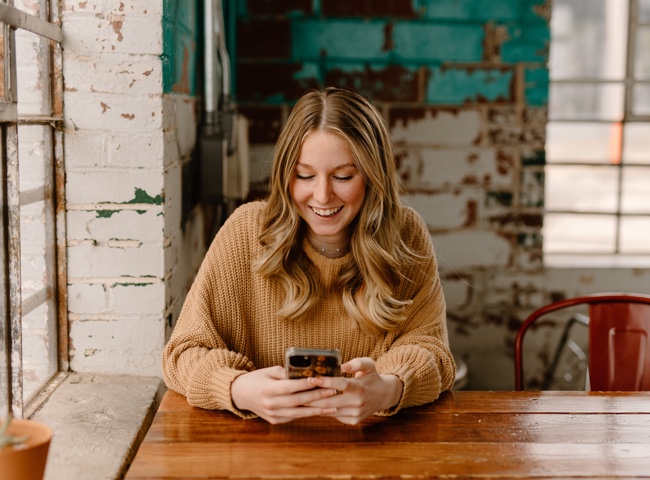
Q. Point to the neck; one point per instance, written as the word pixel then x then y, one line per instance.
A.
pixel 333 249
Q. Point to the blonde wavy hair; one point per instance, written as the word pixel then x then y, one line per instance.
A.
pixel 368 281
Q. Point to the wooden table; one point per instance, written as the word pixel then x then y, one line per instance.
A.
pixel 463 434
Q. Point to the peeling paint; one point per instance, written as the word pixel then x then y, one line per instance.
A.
pixel 116 22
pixel 106 213
pixel 128 116
pixel 143 197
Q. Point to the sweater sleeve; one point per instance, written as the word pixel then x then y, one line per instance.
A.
pixel 197 361
pixel 417 352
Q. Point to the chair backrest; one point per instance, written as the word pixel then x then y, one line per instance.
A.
pixel 619 340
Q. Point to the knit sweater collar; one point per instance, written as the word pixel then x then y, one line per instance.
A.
pixel 329 268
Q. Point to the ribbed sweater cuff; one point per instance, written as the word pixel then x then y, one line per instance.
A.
pixel 210 389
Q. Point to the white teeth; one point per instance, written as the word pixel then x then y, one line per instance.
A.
pixel 326 213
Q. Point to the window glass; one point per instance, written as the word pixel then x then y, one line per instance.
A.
pixel 580 101
pixel 581 188
pixel 634 199
pixel 641 54
pixel 582 142
pixel 579 233
pixel 634 235
pixel 644 10
pixel 641 102
pixel 636 143
pixel 588 39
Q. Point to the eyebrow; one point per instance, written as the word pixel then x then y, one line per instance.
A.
pixel 338 167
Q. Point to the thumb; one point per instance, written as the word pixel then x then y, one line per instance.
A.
pixel 359 366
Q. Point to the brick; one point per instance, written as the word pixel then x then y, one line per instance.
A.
pixel 369 8
pixel 526 43
pixel 457 292
pixel 183 121
pixel 432 169
pixel 113 33
pixel 173 207
pixel 250 32
pixel 143 150
pixel 86 298
pixel 113 6
pixel 455 86
pixel 85 149
pixel 315 38
pixel 132 186
pixel 273 7
pixel 113 113
pixel 264 122
pixel 473 11
pixel 532 188
pixel 86 261
pixel 430 42
pixel 446 211
pixel 392 83
pixel 101 226
pixel 138 298
pixel 117 73
pixel 460 249
pixel 282 82
pixel 126 346
pixel 439 127
pixel 537 85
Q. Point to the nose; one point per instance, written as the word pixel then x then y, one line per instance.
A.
pixel 322 191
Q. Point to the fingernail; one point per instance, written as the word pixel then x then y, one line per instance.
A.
pixel 328 411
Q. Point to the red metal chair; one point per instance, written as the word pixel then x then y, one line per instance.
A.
pixel 619 340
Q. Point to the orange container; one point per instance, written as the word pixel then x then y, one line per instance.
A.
pixel 26 461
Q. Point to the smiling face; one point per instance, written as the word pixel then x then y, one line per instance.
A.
pixel 327 189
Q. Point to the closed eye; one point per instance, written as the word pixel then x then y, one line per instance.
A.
pixel 343 179
pixel 304 177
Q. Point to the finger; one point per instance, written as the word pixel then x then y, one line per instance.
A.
pixel 365 365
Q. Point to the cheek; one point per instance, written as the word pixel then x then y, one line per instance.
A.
pixel 298 192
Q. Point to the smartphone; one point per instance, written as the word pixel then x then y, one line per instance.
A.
pixel 312 362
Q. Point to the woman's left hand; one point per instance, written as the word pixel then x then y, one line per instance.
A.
pixel 359 397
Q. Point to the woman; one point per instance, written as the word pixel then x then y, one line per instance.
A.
pixel 331 260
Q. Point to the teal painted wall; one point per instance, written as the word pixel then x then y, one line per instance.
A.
pixel 460 50
pixel 181 45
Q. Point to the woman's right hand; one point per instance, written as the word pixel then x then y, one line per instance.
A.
pixel 269 394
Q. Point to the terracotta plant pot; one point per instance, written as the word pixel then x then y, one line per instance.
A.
pixel 26 461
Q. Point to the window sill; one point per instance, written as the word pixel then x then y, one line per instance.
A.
pixel 560 260
pixel 98 422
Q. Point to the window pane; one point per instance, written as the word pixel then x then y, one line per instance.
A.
pixel 582 142
pixel 581 188
pixel 39 349
pixel 644 10
pixel 588 39
pixel 31 72
pixel 636 143
pixel 641 99
pixel 635 232
pixel 579 233
pixel 580 101
pixel 641 57
pixel 636 191
pixel 37 257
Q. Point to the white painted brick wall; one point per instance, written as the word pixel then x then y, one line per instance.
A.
pixel 460 128
pixel 125 144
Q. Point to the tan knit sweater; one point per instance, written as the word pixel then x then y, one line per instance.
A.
pixel 228 324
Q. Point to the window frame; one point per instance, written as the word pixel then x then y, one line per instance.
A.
pixel 615 258
pixel 48 26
